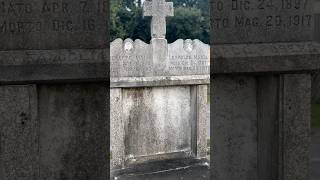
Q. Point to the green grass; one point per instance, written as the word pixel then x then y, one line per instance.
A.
pixel 315 115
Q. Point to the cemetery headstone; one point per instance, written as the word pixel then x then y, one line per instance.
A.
pixel 158 95
pixel 53 61
pixel 262 55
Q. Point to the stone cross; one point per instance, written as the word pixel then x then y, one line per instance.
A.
pixel 158 9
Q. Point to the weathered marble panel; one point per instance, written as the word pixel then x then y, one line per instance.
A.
pixel 130 58
pixel 187 57
pixel 157 120
pixel 138 59
pixel 117 129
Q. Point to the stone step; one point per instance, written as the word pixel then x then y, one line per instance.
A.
pixel 165 169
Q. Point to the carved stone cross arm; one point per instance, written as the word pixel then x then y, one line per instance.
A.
pixel 159 10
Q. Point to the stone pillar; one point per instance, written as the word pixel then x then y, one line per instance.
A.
pixel 54 92
pixel 261 127
pixel 159 55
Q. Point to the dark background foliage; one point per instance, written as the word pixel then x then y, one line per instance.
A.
pixel 190 21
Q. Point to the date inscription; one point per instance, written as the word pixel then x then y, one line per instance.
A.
pixel 243 21
pixel 53 24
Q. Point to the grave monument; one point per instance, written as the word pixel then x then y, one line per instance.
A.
pixel 158 95
pixel 262 57
pixel 53 95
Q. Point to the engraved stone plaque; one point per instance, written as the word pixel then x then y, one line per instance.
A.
pixel 188 57
pixel 52 24
pixel 130 58
pixel 134 59
pixel 255 21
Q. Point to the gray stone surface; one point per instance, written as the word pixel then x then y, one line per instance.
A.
pixel 33 66
pixel 53 41
pixel 157 120
pixel 130 58
pixel 117 128
pixel 188 57
pixel 202 120
pixel 37 24
pixel 159 81
pixel 50 130
pixel 315 87
pixel 73 131
pixel 296 126
pixel 268 127
pixel 18 133
pixel 276 112
pixel 250 21
pixel 315 154
pixel 233 128
pixel 138 59
pixel 316 20
pixel 173 169
pixel 270 44
pixel 265 57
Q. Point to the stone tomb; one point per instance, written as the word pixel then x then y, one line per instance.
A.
pixel 53 61
pixel 158 98
pixel 262 57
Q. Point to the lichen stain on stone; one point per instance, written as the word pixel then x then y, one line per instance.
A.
pixel 141 133
pixel 157 120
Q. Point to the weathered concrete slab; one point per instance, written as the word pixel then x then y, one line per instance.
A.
pixel 157 121
pixel 234 128
pixel 296 126
pixel 73 131
pixel 278 139
pixel 315 154
pixel 18 133
pixel 201 120
pixel 117 125
pixel 250 21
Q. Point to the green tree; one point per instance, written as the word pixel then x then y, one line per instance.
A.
pixel 191 20
pixel 188 23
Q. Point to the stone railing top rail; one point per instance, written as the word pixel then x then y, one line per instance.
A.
pixel 265 57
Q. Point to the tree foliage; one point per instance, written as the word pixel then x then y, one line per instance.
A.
pixel 190 21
